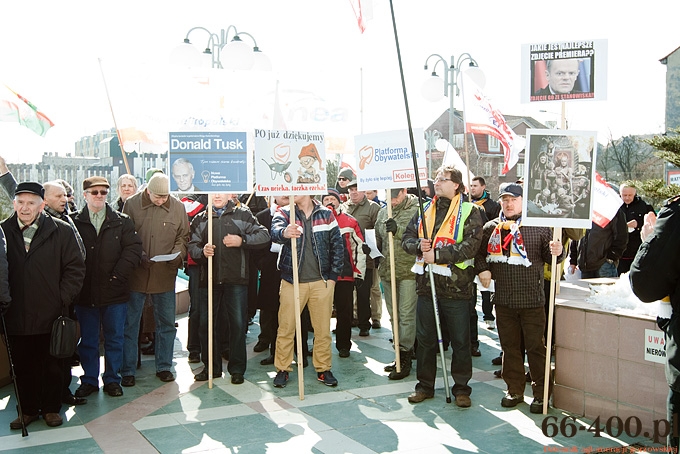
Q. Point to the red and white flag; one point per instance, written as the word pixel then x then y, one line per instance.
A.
pixel 482 118
pixel 356 6
pixel 16 108
pixel 606 201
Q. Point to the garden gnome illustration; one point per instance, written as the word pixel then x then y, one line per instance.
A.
pixel 309 155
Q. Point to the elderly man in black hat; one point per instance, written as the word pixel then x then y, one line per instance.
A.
pixel 46 271
pixel 113 251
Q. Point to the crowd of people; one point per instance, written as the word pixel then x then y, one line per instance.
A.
pixel 111 266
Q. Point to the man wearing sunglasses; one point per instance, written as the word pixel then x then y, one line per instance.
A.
pixel 113 251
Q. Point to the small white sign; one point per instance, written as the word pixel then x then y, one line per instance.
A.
pixel 655 346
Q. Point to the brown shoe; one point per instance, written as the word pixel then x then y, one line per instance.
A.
pixel 53 419
pixel 418 396
pixel 463 401
pixel 16 424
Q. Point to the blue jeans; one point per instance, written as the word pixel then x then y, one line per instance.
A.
pixel 193 341
pixel 455 314
pixel 230 300
pixel 606 270
pixel 164 316
pixel 112 320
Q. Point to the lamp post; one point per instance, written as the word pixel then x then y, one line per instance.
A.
pixel 221 52
pixel 434 87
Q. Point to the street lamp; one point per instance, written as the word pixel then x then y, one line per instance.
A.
pixel 435 88
pixel 220 52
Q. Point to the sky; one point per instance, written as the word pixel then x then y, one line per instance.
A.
pixel 49 54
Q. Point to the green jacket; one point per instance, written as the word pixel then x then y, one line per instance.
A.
pixel 403 262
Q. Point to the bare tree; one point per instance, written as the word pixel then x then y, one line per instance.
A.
pixel 629 158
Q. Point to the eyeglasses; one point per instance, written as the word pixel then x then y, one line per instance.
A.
pixel 96 192
pixel 441 180
pixel 342 179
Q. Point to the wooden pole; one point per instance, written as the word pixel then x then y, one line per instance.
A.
pixel 393 285
pixel 120 142
pixel 296 296
pixel 554 279
pixel 210 295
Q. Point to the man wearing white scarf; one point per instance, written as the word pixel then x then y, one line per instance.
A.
pixel 513 255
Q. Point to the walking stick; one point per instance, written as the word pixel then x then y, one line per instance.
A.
pixel 24 431
pixel 422 213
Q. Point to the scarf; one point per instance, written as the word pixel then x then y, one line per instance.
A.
pixel 446 235
pixel 518 253
pixel 480 202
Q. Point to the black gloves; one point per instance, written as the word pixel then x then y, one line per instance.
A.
pixel 366 249
pixel 391 226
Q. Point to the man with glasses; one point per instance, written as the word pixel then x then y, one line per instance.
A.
pixel 447 248
pixel 162 223
pixel 114 251
pixel 344 177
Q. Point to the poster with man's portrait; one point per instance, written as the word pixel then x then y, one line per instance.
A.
pixel 559 172
pixel 564 71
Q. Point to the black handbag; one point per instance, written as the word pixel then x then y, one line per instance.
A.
pixel 63 340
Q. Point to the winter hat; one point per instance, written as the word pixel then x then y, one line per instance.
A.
pixel 159 184
pixel 151 172
pixel 333 193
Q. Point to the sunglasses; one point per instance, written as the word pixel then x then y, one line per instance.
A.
pixel 342 179
pixel 96 192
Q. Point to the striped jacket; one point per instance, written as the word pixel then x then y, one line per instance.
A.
pixel 327 243
pixel 354 259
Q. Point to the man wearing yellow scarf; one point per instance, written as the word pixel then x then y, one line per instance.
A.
pixel 454 230
pixel 513 255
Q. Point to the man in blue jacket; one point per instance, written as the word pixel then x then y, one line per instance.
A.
pixel 320 257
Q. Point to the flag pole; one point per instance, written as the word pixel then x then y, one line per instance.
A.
pixel 420 207
pixel 120 142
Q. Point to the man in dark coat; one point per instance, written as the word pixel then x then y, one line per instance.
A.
pixel 635 209
pixel 236 232
pixel 113 251
pixel 46 271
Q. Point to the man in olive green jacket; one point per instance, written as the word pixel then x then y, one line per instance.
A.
pixel 404 208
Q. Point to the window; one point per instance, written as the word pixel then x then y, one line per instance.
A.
pixel 520 170
pixel 493 143
pixel 501 165
pixel 487 169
